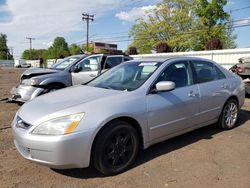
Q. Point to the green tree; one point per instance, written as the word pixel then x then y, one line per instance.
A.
pixel 90 48
pixel 59 49
pixel 34 54
pixel 167 22
pixel 75 49
pixel 215 23
pixel 184 25
pixel 4 50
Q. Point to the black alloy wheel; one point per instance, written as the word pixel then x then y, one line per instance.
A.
pixel 115 148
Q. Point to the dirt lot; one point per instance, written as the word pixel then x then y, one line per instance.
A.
pixel 207 157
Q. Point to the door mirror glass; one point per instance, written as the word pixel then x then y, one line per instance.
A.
pixel 77 69
pixel 165 86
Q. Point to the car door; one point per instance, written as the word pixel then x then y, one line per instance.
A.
pixel 173 111
pixel 86 70
pixel 213 87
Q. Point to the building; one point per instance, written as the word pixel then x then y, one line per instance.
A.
pixel 100 47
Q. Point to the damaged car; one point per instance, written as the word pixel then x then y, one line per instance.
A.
pixel 73 70
pixel 242 68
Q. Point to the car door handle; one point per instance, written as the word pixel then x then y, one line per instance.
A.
pixel 192 94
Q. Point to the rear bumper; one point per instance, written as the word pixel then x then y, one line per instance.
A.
pixel 23 93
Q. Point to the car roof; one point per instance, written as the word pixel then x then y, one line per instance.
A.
pixel 164 59
pixel 79 55
pixel 154 59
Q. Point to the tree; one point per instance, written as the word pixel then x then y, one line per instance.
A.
pixel 75 49
pixel 214 44
pixel 184 24
pixel 90 48
pixel 215 23
pixel 170 21
pixel 132 50
pixel 162 47
pixel 35 54
pixel 4 50
pixel 59 49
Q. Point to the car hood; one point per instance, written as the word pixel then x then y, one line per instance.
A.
pixel 32 72
pixel 55 104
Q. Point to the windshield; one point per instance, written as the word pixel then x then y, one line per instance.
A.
pixel 127 76
pixel 61 65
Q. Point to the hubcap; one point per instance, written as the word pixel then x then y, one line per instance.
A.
pixel 118 149
pixel 231 113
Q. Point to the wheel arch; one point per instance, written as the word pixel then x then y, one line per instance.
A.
pixel 232 97
pixel 127 119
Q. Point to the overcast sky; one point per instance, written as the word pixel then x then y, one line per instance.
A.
pixel 46 19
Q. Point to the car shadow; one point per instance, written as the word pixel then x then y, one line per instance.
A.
pixel 159 149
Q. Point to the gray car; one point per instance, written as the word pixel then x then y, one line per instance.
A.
pixel 73 70
pixel 131 106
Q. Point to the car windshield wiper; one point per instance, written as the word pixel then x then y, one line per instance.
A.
pixel 106 87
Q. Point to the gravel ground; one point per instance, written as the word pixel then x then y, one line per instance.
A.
pixel 207 157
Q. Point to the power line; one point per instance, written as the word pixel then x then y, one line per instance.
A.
pixel 238 9
pixel 86 17
pixel 183 33
pixel 109 39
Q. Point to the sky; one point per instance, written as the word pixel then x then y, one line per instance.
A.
pixel 46 19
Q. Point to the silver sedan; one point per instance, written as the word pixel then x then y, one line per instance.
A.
pixel 132 106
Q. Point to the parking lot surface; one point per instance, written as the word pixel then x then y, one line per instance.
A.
pixel 208 157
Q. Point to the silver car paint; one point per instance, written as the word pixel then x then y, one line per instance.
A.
pixel 160 116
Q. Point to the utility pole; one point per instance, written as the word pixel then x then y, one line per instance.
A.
pixel 11 51
pixel 30 40
pixel 86 17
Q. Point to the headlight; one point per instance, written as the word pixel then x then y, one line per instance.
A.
pixel 59 126
pixel 30 82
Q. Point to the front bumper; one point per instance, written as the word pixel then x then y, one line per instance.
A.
pixel 23 93
pixel 59 152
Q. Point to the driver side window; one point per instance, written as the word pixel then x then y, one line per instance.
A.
pixel 89 64
pixel 180 73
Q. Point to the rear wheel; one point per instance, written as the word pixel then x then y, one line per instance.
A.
pixel 115 148
pixel 229 115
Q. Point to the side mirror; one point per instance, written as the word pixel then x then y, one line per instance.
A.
pixel 76 69
pixel 165 86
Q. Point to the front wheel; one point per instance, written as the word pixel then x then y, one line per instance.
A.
pixel 229 115
pixel 115 148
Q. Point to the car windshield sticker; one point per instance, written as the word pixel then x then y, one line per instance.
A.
pixel 147 64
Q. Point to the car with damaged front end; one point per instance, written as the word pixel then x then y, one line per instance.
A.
pixel 73 70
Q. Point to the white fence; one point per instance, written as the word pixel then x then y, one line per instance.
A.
pixel 6 63
pixel 227 58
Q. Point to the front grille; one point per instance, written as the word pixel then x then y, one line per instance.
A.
pixel 22 124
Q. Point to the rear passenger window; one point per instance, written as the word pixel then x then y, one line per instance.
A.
pixel 206 71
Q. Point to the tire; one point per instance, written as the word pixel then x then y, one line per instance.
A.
pixel 229 115
pixel 115 148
